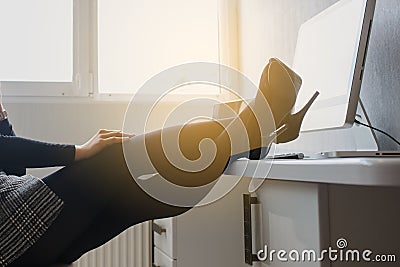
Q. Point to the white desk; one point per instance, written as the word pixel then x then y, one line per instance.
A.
pixel 311 203
pixel 302 204
pixel 346 171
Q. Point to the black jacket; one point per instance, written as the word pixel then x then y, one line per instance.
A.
pixel 17 154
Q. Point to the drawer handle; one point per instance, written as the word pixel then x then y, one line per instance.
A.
pixel 249 257
pixel 158 229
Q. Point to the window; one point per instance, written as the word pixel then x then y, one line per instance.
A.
pixel 38 40
pixel 42 49
pixel 139 39
pixel 77 47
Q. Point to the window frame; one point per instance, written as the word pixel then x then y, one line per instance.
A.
pixel 223 7
pixel 84 84
pixel 81 84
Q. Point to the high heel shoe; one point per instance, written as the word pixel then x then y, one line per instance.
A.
pixel 280 85
pixel 290 125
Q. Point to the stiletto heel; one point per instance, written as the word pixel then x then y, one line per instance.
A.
pixel 292 122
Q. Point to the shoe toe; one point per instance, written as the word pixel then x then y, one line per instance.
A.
pixel 279 90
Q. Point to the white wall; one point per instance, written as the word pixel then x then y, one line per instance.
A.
pixel 71 123
pixel 65 121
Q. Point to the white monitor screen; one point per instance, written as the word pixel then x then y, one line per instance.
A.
pixel 329 57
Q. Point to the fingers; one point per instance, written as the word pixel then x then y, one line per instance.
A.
pixel 113 133
pixel 115 139
pixel 101 131
pixel 109 137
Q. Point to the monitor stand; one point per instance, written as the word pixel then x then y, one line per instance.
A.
pixel 360 154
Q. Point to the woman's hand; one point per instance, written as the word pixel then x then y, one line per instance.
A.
pixel 102 139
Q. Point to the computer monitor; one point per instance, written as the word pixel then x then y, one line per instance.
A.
pixel 330 57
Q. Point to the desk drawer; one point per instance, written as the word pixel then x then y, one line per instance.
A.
pixel 165 236
pixel 162 260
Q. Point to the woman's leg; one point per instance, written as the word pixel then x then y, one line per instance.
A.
pixel 130 204
pixel 101 199
pixel 102 196
pixel 99 194
pixel 101 231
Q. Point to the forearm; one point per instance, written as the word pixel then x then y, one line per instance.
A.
pixel 7 130
pixel 21 152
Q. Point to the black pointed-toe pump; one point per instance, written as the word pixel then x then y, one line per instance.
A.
pixel 280 85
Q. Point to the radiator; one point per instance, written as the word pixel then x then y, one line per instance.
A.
pixel 131 248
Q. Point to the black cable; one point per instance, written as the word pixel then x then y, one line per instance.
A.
pixel 378 130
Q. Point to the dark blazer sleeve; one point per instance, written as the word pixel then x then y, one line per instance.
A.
pixel 6 128
pixel 18 153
